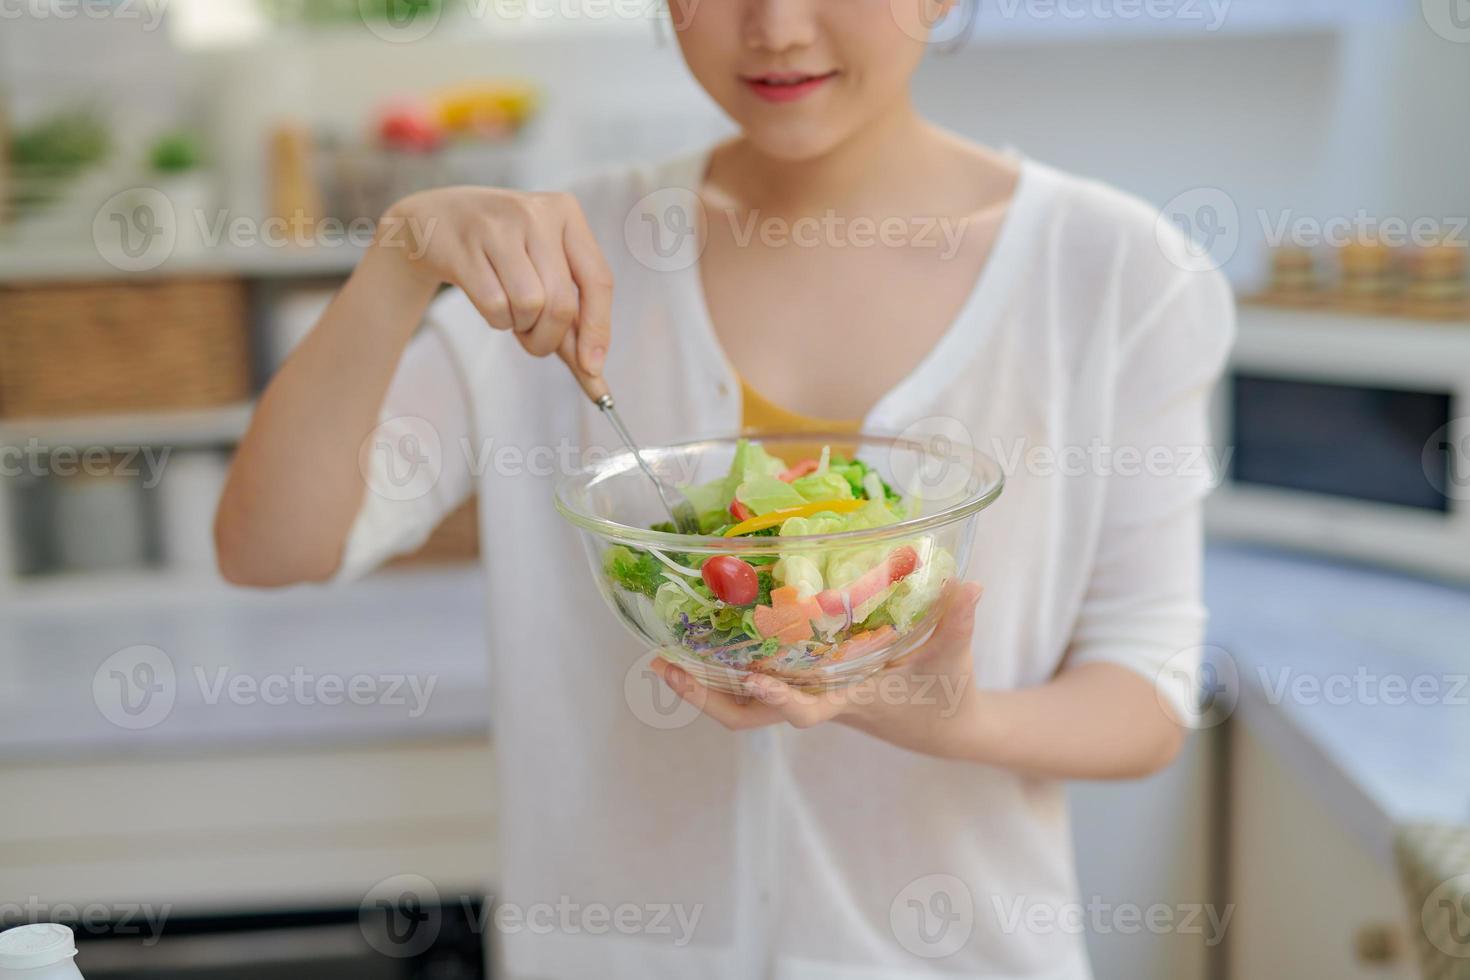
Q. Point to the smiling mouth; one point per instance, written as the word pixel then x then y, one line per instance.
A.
pixel 786 86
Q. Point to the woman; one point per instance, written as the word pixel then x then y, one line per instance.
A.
pixel 852 264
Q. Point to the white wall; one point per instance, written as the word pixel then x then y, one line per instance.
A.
pixel 1322 125
pixel 1317 124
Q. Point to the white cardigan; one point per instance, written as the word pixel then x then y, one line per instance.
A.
pixel 1082 361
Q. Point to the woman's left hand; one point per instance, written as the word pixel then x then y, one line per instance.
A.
pixel 927 703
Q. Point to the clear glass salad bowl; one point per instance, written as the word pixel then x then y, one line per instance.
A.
pixel 820 594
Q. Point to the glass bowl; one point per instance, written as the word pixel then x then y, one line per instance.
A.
pixel 813 639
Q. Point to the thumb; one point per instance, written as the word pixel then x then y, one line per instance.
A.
pixel 956 622
pixel 592 384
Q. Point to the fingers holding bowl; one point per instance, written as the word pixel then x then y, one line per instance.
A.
pixel 767 701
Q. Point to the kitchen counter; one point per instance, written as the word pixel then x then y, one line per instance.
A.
pixel 1357 679
pixel 399 656
pixel 256 801
pixel 1318 649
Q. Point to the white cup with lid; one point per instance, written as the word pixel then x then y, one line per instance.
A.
pixel 39 952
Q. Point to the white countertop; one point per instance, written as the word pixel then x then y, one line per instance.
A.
pixel 393 630
pixel 1328 656
pixel 1281 619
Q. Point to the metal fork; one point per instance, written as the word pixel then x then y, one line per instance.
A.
pixel 680 510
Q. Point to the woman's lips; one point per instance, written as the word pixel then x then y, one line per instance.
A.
pixel 786 86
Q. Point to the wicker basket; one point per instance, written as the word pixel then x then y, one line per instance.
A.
pixel 76 349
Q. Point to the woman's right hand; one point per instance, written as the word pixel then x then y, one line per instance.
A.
pixel 527 261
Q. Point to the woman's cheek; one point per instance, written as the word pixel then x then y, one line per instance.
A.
pixel 709 42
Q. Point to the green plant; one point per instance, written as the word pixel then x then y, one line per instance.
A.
pixel 338 11
pixel 55 151
pixel 175 153
pixel 64 143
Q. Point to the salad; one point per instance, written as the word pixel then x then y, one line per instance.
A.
pixel 789 611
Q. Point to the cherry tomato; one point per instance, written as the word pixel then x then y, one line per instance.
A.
pixel 731 580
pixel 740 512
pixel 409 129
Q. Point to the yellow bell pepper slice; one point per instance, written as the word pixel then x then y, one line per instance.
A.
pixel 775 517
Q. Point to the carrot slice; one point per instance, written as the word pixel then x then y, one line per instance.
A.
pixel 862 644
pixel 789 617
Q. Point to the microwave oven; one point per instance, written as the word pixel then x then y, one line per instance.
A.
pixel 1347 435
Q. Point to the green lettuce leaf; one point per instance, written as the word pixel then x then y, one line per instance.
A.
pixel 825 522
pixel 912 596
pixel 801 571
pixel 817 487
pixel 636 571
pixel 712 500
pixel 763 494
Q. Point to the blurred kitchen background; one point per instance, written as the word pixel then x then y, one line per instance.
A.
pixel 1316 149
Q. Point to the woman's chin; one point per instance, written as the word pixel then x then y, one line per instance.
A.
pixel 793 142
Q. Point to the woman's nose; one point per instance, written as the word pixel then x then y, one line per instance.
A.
pixel 779 25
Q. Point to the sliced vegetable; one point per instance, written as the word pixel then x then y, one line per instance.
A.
pixel 712 500
pixel 775 517
pixel 789 617
pixel 804 468
pixel 763 494
pixel 861 644
pixel 795 608
pixel 800 571
pixel 823 486
pixel 825 523
pixel 899 564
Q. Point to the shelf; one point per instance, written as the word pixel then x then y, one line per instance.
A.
pixel 183 429
pixel 1338 345
pixel 23 263
pixel 65 595
pixel 1267 328
pixel 1319 318
pixel 997 22
pixel 1064 21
